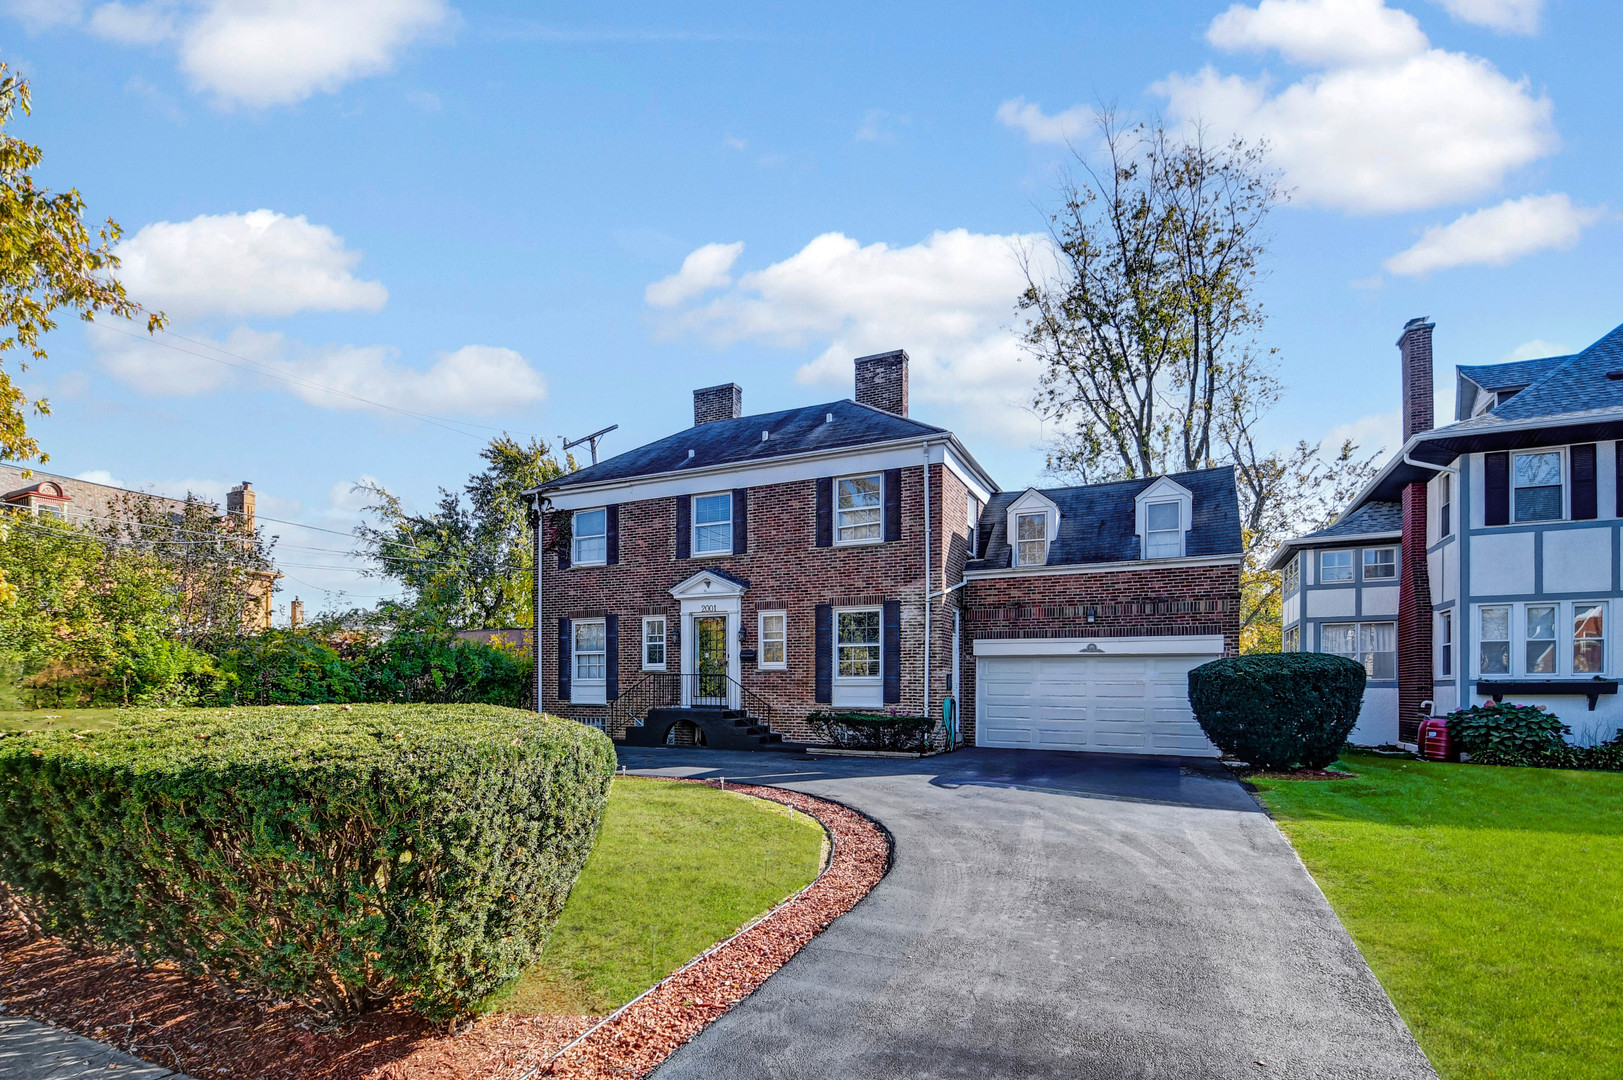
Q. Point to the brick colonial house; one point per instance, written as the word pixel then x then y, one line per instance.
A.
pixel 1482 562
pixel 722 584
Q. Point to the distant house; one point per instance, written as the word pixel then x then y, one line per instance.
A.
pixel 84 502
pixel 847 556
pixel 1483 560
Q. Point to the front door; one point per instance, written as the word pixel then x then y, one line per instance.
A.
pixel 710 659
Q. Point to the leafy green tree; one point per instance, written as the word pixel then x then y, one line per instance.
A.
pixel 469 563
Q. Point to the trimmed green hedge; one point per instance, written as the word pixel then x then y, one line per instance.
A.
pixel 1278 710
pixel 873 731
pixel 336 856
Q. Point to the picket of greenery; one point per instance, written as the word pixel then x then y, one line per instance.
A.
pixel 335 856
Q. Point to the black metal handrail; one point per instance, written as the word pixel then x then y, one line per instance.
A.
pixel 663 690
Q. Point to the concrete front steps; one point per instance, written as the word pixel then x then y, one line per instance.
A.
pixel 720 729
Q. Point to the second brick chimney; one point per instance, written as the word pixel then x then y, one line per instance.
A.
pixel 1414 349
pixel 1414 581
pixel 882 381
pixel 724 402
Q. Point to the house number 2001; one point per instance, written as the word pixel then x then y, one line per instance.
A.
pixel 707 607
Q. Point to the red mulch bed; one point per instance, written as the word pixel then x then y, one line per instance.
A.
pixel 186 1024
pixel 1299 774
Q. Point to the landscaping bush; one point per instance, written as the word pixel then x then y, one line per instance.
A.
pixel 1526 735
pixel 285 667
pixel 335 856
pixel 439 668
pixel 874 731
pixel 1281 710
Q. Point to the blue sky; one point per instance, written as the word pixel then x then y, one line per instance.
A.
pixel 551 220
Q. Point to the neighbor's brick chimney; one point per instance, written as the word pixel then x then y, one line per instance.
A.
pixel 295 614
pixel 239 504
pixel 1414 584
pixel 882 381
pixel 724 402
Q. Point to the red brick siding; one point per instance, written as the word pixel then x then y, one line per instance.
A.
pixel 1414 616
pixel 1164 601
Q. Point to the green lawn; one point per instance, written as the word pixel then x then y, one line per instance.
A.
pixel 678 868
pixel 1488 901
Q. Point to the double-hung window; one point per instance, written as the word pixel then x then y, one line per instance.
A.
pixel 857 658
pixel 591 662
pixel 1335 566
pixel 1493 639
pixel 1291 641
pixel 1445 505
pixel 1588 638
pixel 774 640
pixel 591 537
pixel 1291 577
pixel 1445 643
pixel 858 509
pixel 1539 641
pixel 974 524
pixel 1163 530
pixel 1031 539
pixel 1542 640
pixel 1374 645
pixel 653 643
pixel 713 524
pixel 1538 486
pixel 1380 564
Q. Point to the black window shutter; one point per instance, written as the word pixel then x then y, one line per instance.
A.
pixel 684 526
pixel 825 514
pixel 1583 482
pixel 741 520
pixel 565 658
pixel 890 666
pixel 893 506
pixel 612 534
pixel 611 661
pixel 1496 489
pixel 823 639
pixel 563 548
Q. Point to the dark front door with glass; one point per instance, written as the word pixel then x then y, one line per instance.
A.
pixel 710 660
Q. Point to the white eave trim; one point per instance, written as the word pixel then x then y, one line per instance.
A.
pixel 1104 568
pixel 1328 541
pixel 1190 645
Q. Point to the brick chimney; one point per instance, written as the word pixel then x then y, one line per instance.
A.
pixel 882 381
pixel 295 614
pixel 1414 584
pixel 239 503
pixel 724 402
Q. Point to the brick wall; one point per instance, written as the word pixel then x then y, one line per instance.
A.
pixel 1414 616
pixel 1164 601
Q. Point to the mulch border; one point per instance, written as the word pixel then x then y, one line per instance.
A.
pixel 70 987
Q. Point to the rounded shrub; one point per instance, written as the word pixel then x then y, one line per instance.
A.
pixel 1278 710
pixel 338 856
pixel 1507 729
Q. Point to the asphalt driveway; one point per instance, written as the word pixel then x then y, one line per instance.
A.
pixel 1056 915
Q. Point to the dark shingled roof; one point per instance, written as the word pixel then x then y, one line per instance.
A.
pixel 1372 517
pixel 1578 385
pixel 1510 375
pixel 1097 521
pixel 730 442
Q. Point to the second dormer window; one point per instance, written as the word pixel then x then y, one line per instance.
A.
pixel 591 541
pixel 1031 532
pixel 1163 530
pixel 713 524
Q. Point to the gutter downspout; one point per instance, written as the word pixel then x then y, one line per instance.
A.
pixel 928 581
pixel 540 557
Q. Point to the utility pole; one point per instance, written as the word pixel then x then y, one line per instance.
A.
pixel 592 438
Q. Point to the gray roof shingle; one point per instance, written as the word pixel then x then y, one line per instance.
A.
pixel 1510 375
pixel 1371 518
pixel 1097 521
pixel 1578 385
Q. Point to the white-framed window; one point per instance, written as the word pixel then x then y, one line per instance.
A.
pixel 590 542
pixel 713 524
pixel 774 637
pixel 1031 539
pixel 590 681
pixel 1291 576
pixel 1588 638
pixel 859 509
pixel 974 525
pixel 1493 639
pixel 1291 639
pixel 1380 564
pixel 1538 640
pixel 1335 566
pixel 1445 643
pixel 856 643
pixel 1374 645
pixel 653 643
pixel 1163 530
pixel 1536 478
pixel 1445 505
pixel 50 510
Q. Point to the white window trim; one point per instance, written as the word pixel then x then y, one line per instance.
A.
pixel 1352 566
pixel 857 682
pixel 665 642
pixel 1363 563
pixel 760 639
pixel 1450 640
pixel 1358 634
pixel 1290 576
pixel 693 525
pixel 834 496
pixel 1566 479
pixel 1290 639
pixel 597 688
pixel 974 513
pixel 1162 490
pixel 1445 505
pixel 574 537
pixel 1182 529
pixel 1032 502
pixel 1564 640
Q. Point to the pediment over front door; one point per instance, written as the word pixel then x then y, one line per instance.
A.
pixel 709 584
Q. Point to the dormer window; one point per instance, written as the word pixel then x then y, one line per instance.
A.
pixel 1031 531
pixel 1163 530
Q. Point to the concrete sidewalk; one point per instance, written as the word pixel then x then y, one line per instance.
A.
pixel 30 1050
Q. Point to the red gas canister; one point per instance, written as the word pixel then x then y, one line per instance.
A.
pixel 1434 740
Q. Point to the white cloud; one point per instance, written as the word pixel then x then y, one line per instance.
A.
pixel 183 371
pixel 1498 235
pixel 1319 31
pixel 258 263
pixel 276 52
pixel 877 124
pixel 1507 16
pixel 1381 129
pixel 39 15
pixel 1041 127
pixel 139 24
pixel 1378 431
pixel 704 269
pixel 1537 349
pixel 949 301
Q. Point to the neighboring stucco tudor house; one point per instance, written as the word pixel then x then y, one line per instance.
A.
pixel 845 556
pixel 1483 560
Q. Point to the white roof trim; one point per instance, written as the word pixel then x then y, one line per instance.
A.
pixel 705 583
pixel 1190 645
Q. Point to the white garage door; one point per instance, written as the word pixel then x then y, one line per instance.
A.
pixel 1119 704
